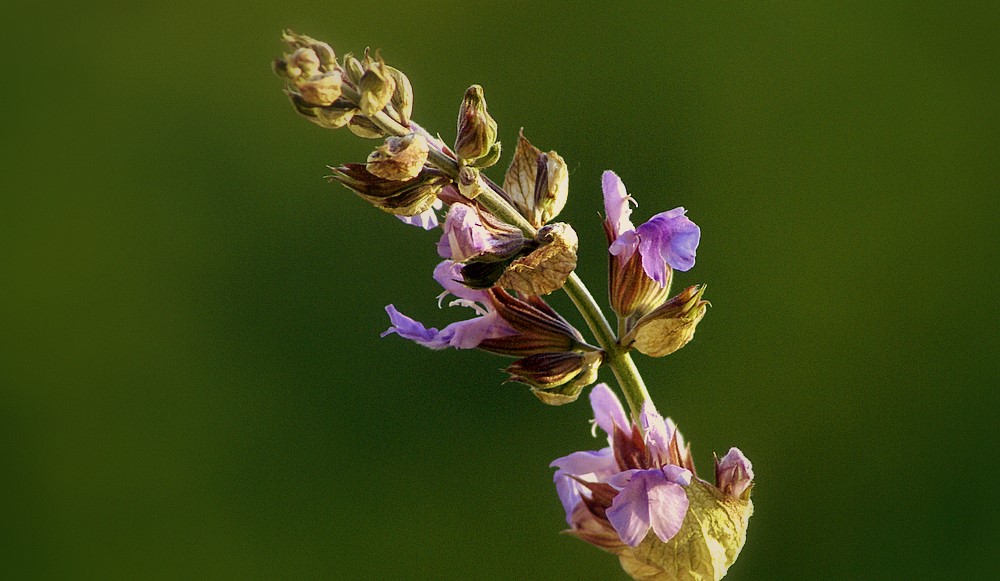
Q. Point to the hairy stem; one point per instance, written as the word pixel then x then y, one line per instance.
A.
pixel 618 359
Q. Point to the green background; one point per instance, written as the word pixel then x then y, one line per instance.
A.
pixel 193 384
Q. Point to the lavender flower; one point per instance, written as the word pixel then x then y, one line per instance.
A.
pixel 462 334
pixel 641 471
pixel 668 238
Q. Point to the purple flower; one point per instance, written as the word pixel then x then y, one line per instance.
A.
pixel 668 238
pixel 633 485
pixel 462 334
pixel 470 234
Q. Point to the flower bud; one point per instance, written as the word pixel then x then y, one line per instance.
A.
pixel 537 183
pixel 376 87
pixel 399 158
pixel 670 326
pixel 557 378
pixel 320 90
pixel 734 474
pixel 402 198
pixel 324 55
pixel 546 268
pixel 353 68
pixel 477 131
pixel 402 97
pixel 364 128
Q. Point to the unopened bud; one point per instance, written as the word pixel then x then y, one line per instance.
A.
pixel 353 68
pixel 376 87
pixel 734 474
pixel 364 128
pixel 321 50
pixel 477 131
pixel 321 90
pixel 334 116
pixel 399 158
pixel 402 198
pixel 670 326
pixel 557 378
pixel 546 268
pixel 537 183
pixel 402 96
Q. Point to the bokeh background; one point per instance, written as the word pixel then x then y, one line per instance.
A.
pixel 193 383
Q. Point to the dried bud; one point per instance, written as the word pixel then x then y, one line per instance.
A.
pixel 708 543
pixel 334 116
pixel 303 63
pixel 670 326
pixel 324 54
pixel 402 198
pixel 376 87
pixel 399 158
pixel 546 268
pixel 477 131
pixel 557 378
pixel 402 97
pixel 321 90
pixel 734 474
pixel 537 183
pixel 364 128
pixel 353 68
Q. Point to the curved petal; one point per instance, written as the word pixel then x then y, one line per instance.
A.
pixel 608 410
pixel 655 430
pixel 413 330
pixel 616 203
pixel 668 503
pixel 629 512
pixel 449 275
pixel 570 493
pixel 601 464
pixel 668 237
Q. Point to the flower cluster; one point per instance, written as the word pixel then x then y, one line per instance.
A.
pixel 644 482
pixel 502 250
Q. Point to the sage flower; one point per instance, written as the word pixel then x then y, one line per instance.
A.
pixel 667 239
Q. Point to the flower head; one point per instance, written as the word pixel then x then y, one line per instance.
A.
pixel 643 481
pixel 668 239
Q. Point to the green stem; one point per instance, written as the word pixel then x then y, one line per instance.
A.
pixel 617 358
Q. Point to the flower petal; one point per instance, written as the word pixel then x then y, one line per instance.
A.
pixel 600 464
pixel 616 203
pixel 570 493
pixel 470 333
pixel 413 330
pixel 629 512
pixel 449 276
pixel 668 503
pixel 668 238
pixel 608 410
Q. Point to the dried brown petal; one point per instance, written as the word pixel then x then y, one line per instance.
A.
pixel 399 158
pixel 546 268
pixel 536 183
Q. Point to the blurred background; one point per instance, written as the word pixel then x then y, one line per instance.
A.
pixel 193 383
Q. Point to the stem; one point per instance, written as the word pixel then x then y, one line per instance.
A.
pixel 617 358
